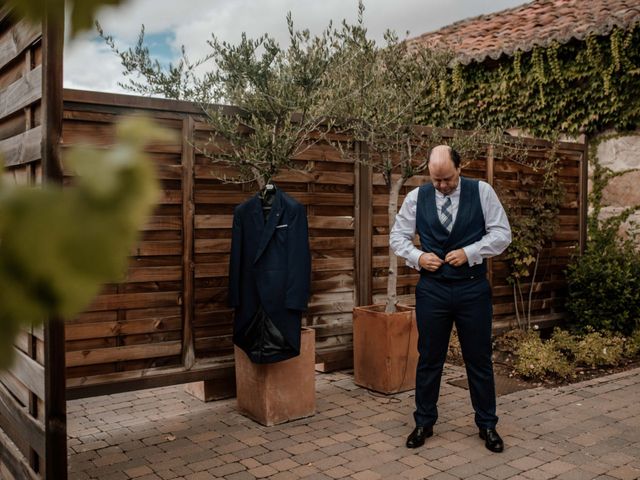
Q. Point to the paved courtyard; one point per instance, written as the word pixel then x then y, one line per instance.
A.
pixel 583 431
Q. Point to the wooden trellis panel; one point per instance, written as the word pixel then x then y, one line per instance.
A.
pixel 169 322
pixel 32 404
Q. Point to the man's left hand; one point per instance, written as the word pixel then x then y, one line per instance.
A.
pixel 456 257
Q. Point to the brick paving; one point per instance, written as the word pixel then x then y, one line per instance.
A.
pixel 589 430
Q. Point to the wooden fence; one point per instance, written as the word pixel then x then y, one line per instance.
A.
pixel 32 392
pixel 169 322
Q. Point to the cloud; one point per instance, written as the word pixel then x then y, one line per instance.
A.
pixel 191 22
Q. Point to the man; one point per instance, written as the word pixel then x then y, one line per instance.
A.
pixel 460 223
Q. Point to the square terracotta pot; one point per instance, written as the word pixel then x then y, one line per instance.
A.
pixel 279 392
pixel 385 348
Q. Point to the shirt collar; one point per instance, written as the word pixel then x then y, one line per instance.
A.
pixel 454 194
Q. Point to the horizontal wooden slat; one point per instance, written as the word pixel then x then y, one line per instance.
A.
pixel 121 354
pixel 154 274
pixel 30 429
pixel 203 369
pixel 29 372
pixel 157 248
pixel 16 463
pixel 134 300
pixel 23 148
pixel 23 34
pixel 21 93
pixel 163 222
pixel 124 327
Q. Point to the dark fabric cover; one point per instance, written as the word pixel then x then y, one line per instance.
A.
pixel 468 228
pixel 269 277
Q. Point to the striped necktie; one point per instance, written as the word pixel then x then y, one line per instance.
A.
pixel 445 214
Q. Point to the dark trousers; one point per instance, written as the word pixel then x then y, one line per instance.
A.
pixel 440 303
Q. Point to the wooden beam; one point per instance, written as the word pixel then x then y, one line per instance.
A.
pixel 583 196
pixel 363 212
pixel 188 267
pixel 107 384
pixel 124 353
pixel 490 181
pixel 55 404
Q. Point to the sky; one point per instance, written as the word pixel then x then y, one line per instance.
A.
pixel 90 65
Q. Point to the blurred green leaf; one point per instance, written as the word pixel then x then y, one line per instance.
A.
pixel 82 11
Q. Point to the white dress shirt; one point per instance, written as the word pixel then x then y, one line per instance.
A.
pixel 494 242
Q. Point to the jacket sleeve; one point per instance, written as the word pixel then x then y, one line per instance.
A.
pixel 298 262
pixel 235 260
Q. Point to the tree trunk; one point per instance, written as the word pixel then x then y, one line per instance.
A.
pixel 392 278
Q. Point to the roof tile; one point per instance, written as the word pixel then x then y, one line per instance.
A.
pixel 540 22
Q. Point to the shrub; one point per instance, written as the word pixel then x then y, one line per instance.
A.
pixel 595 349
pixel 604 285
pixel 537 359
pixel 632 344
pixel 564 341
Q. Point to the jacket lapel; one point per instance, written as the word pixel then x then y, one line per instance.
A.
pixel 270 226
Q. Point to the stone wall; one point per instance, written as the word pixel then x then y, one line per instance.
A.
pixel 620 154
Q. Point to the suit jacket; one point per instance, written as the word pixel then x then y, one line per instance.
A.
pixel 269 277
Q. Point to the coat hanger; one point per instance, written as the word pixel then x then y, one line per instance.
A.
pixel 267 194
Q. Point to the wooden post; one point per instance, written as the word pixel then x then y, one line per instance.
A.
pixel 363 212
pixel 583 196
pixel 188 213
pixel 55 414
pixel 490 180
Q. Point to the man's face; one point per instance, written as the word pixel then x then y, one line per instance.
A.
pixel 444 175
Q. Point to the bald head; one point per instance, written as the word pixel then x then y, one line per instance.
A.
pixel 444 168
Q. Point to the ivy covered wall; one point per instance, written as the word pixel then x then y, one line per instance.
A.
pixel 589 87
pixel 579 87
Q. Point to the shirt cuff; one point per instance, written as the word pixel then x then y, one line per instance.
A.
pixel 473 255
pixel 413 260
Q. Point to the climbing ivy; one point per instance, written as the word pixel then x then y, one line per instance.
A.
pixel 581 87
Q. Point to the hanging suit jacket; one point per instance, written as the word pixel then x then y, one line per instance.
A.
pixel 269 277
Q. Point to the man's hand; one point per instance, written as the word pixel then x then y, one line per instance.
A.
pixel 456 257
pixel 430 261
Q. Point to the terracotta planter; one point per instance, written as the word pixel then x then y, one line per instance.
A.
pixel 385 348
pixel 278 392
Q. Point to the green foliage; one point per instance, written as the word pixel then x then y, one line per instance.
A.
pixel 632 344
pixel 176 81
pixel 596 349
pixel 280 94
pixel 81 12
pixel 538 359
pixel 59 245
pixel 591 349
pixel 604 287
pixel 578 87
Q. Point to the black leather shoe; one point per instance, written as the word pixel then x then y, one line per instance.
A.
pixel 491 439
pixel 418 436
